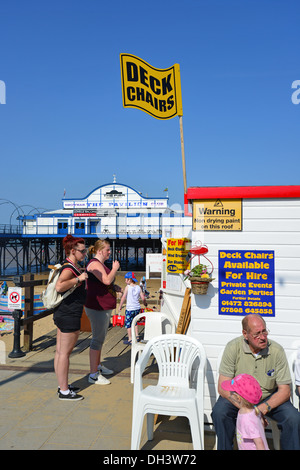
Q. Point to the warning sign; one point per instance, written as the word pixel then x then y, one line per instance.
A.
pixel 217 215
pixel 14 298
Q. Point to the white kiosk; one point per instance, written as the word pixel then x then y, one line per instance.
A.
pixel 253 240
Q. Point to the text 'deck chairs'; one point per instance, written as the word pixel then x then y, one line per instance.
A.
pixel 181 364
pixel 156 324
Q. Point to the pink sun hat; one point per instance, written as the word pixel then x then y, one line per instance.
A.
pixel 246 386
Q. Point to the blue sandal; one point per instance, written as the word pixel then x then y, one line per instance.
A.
pixel 126 341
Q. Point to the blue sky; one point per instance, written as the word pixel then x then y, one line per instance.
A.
pixel 64 126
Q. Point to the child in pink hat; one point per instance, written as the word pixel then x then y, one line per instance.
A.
pixel 245 394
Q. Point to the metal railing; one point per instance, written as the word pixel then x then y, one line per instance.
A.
pixel 8 229
pixel 26 321
pixel 97 231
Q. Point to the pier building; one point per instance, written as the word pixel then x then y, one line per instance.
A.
pixel 133 223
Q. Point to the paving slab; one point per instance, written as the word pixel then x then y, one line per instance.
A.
pixel 33 418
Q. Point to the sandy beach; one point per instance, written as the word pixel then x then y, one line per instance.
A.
pixel 43 326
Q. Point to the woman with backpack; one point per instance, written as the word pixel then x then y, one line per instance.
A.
pixel 67 316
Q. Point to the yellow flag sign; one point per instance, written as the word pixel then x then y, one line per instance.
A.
pixel 155 91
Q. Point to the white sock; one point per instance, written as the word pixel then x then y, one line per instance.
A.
pixel 94 375
pixel 65 392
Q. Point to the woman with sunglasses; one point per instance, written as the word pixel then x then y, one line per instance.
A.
pixel 67 316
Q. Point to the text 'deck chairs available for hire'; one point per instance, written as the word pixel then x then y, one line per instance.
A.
pixel 181 364
pixel 156 324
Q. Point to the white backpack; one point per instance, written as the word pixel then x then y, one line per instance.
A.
pixel 50 297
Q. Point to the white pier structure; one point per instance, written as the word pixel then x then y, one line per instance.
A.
pixel 114 211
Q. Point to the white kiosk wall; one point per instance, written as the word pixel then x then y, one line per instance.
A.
pixel 267 224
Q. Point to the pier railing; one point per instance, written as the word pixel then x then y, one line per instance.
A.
pixel 28 282
pixel 8 229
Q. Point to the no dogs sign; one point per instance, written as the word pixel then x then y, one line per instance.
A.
pixel 14 298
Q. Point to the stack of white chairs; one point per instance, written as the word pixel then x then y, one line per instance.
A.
pixel 181 363
pixel 156 324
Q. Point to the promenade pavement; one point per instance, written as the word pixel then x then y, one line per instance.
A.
pixel 33 418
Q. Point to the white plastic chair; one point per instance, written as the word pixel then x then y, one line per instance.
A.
pixel 2 353
pixel 180 390
pixel 293 357
pixel 156 324
pixel 275 431
pixel 272 423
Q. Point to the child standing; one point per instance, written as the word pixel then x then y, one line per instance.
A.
pixel 132 293
pixel 143 286
pixel 245 394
